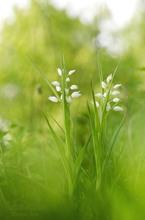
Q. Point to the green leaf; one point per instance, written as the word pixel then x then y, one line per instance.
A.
pixel 58 124
pixel 61 150
pixel 44 77
pixel 113 140
pixel 79 160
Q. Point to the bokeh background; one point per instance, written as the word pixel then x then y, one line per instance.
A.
pixel 111 32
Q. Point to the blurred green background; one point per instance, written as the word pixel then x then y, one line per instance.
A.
pixel 31 175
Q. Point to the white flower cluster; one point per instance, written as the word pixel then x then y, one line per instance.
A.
pixel 69 90
pixel 110 95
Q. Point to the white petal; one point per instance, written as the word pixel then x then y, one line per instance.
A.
pixel 116 100
pixel 103 85
pixel 73 87
pixel 66 91
pixel 115 92
pixel 59 71
pixel 117 86
pixel 99 95
pixel 71 72
pixel 118 108
pixel 55 83
pixel 105 94
pixel 58 88
pixel 53 98
pixel 109 78
pixel 108 107
pixel 75 94
pixel 68 99
pixel 97 104
pixel 67 79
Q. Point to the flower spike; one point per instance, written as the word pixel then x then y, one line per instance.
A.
pixel 67 88
pixel 108 98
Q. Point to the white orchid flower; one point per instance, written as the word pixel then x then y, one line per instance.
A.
pixel 55 83
pixel 53 99
pixel 73 87
pixel 68 99
pixel 66 91
pixel 58 88
pixel 59 71
pixel 97 104
pixel 76 94
pixel 108 107
pixel 105 94
pixel 116 100
pixel 99 95
pixel 71 72
pixel 118 109
pixel 67 79
pixel 115 92
pixel 104 85
pixel 117 86
pixel 109 78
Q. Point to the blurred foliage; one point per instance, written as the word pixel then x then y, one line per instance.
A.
pixel 44 33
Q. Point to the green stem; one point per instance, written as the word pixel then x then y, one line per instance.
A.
pixel 3 161
pixel 67 129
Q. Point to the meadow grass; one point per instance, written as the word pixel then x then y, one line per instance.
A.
pixel 56 174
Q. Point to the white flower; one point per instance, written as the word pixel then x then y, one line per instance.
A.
pixel 116 100
pixel 97 104
pixel 117 86
pixel 103 85
pixel 71 72
pixel 73 87
pixel 109 78
pixel 67 79
pixel 55 83
pixel 58 88
pixel 109 97
pixel 68 99
pixel 108 107
pixel 59 71
pixel 66 91
pixel 105 94
pixel 115 92
pixel 53 98
pixel 75 94
pixel 99 95
pixel 118 108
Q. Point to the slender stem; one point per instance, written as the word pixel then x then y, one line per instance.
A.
pixel 67 129
pixel 3 161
